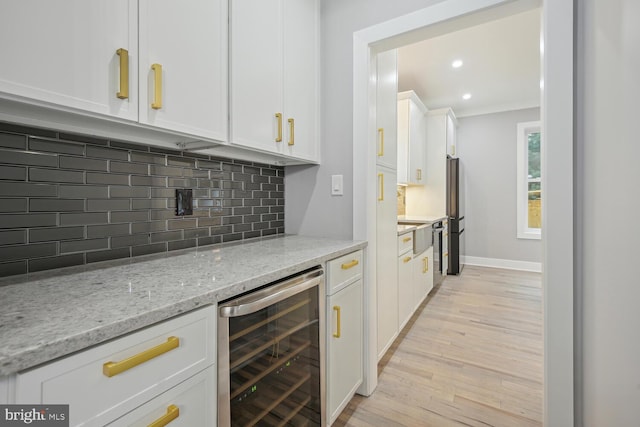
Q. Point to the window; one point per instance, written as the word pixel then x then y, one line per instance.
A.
pixel 529 181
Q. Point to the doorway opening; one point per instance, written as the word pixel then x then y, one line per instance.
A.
pixel 557 212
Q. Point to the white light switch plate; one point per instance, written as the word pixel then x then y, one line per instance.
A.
pixel 337 185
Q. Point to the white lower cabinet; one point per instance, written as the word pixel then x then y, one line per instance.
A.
pixel 345 332
pixel 423 275
pixel 188 404
pixel 105 382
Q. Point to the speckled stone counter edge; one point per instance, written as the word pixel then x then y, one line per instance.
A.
pixel 30 354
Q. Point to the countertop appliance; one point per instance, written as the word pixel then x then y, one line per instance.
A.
pixel 270 354
pixel 456 216
pixel 438 235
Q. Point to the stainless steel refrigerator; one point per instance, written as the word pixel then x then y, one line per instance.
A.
pixel 455 214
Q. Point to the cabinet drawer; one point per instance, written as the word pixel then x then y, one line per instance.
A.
pixel 405 243
pixel 344 269
pixel 190 403
pixel 81 380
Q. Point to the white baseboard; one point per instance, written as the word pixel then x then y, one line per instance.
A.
pixel 503 263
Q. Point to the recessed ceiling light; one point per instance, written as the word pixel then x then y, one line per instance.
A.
pixel 466 96
pixel 457 63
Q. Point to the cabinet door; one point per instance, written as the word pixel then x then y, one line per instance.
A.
pixel 386 104
pixel 190 403
pixel 188 39
pixel 65 53
pixel 406 293
pixel 417 145
pixel 404 119
pixel 386 259
pixel 256 73
pixel 301 52
pixel 423 275
pixel 345 340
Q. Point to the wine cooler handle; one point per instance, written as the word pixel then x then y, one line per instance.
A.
pixel 258 300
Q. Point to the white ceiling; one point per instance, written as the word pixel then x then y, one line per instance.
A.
pixel 501 67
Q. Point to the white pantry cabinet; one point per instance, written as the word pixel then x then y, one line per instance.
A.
pixel 345 332
pixel 412 139
pixel 105 382
pixel 274 76
pixel 183 66
pixel 386 105
pixel 68 53
pixel 386 259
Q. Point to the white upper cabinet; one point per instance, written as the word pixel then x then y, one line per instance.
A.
pixel 412 136
pixel 274 76
pixel 65 53
pixel 386 116
pixel 183 66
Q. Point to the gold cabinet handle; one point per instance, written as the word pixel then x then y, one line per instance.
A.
pixel 407 259
pixel 291 131
pixel 157 86
pixel 173 412
pixel 381 134
pixel 279 119
pixel 111 369
pixel 406 239
pixel 425 264
pixel 453 150
pixel 446 254
pixel 350 264
pixel 336 308
pixel 381 181
pixel 123 93
pixel 419 173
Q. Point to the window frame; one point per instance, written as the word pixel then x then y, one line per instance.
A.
pixel 524 129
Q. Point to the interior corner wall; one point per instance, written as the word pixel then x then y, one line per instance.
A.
pixel 607 110
pixel 310 208
pixel 487 152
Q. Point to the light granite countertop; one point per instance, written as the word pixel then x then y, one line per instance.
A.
pixel 417 219
pixel 51 314
pixel 404 229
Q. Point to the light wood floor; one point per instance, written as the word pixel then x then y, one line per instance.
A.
pixel 471 356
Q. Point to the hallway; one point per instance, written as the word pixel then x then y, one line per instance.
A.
pixel 471 356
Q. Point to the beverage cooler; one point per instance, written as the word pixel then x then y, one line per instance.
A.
pixel 270 353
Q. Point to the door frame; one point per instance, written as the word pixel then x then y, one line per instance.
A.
pixel 558 208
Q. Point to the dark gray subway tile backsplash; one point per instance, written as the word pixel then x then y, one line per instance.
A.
pixel 69 199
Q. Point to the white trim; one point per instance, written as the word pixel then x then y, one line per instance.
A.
pixel 557 211
pixel 508 264
pixel 523 229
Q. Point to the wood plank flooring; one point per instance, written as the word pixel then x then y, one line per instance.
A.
pixel 470 356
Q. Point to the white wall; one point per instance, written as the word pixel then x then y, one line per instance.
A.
pixel 608 152
pixel 487 151
pixel 310 209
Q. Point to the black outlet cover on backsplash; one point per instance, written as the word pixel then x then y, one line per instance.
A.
pixel 184 201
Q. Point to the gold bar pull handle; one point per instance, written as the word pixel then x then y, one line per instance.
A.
pixel 381 145
pixel 425 265
pixel 419 174
pixel 291 131
pixel 111 369
pixel 157 86
pixel 406 239
pixel 173 412
pixel 336 308
pixel 407 259
pixel 350 264
pixel 381 184
pixel 123 93
pixel 279 119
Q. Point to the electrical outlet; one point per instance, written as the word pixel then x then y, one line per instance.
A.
pixel 184 201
